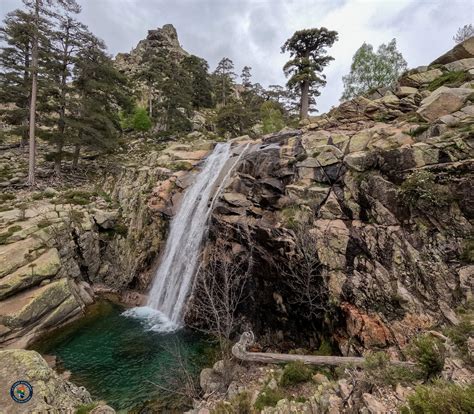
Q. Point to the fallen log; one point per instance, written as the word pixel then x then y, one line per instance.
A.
pixel 239 350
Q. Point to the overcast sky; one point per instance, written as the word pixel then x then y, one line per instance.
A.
pixel 251 32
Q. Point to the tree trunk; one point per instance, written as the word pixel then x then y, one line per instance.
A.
pixel 239 350
pixel 304 105
pixel 62 108
pixel 223 89
pixel 150 103
pixel 34 91
pixel 26 83
pixel 75 158
pixel 57 158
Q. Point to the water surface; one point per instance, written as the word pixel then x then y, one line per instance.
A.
pixel 117 358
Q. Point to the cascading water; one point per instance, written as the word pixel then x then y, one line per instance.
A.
pixel 174 278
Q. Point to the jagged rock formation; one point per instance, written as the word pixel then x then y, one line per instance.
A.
pixel 160 38
pixel 51 393
pixel 393 265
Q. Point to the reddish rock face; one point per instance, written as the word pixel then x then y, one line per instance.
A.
pixel 368 329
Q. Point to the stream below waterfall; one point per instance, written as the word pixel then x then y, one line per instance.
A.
pixel 119 359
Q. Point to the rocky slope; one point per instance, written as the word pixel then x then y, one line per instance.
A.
pixel 385 184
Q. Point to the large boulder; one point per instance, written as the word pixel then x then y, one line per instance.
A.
pixel 443 101
pixel 463 50
pixel 54 300
pixel 420 78
pixel 45 266
pixel 51 393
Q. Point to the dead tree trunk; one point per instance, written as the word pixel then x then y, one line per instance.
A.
pixel 239 350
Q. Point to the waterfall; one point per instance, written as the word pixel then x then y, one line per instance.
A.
pixel 174 277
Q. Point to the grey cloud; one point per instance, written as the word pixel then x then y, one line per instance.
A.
pixel 251 32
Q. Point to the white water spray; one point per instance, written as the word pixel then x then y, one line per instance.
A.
pixel 174 278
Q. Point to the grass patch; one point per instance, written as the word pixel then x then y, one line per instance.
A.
pixel 268 398
pixel 379 371
pixel 85 408
pixel 295 373
pixel 325 348
pixel 290 216
pixel 429 353
pixel 240 404
pixel 44 223
pixel 418 130
pixel 37 196
pixel 5 235
pixel 451 79
pixel 441 398
pixel 460 333
pixel 6 197
pixel 467 254
pixel 421 191
pixel 77 197
pixel 180 166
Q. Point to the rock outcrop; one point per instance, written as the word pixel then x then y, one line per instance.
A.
pixel 165 38
pixel 51 393
pixel 385 187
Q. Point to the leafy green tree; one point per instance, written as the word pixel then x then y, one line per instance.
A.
pixel 271 114
pixel 371 70
pixel 307 50
pixel 141 121
pixel 198 70
pixel 246 76
pixel 224 77
pixel 464 33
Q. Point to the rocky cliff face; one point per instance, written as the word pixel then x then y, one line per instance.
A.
pixel 385 184
pixel 58 248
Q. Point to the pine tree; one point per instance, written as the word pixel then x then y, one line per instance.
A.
pixel 176 98
pixel 234 118
pixel 151 74
pixel 15 81
pixel 224 80
pixel 308 58
pixel 370 70
pixel 102 93
pixel 246 76
pixel 69 39
pixel 39 9
pixel 198 70
pixel 15 73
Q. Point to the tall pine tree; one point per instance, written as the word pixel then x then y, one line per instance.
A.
pixel 39 10
pixel 308 58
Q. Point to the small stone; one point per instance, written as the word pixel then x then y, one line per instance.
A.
pixel 50 192
pixel 373 405
pixel 103 409
pixel 320 378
